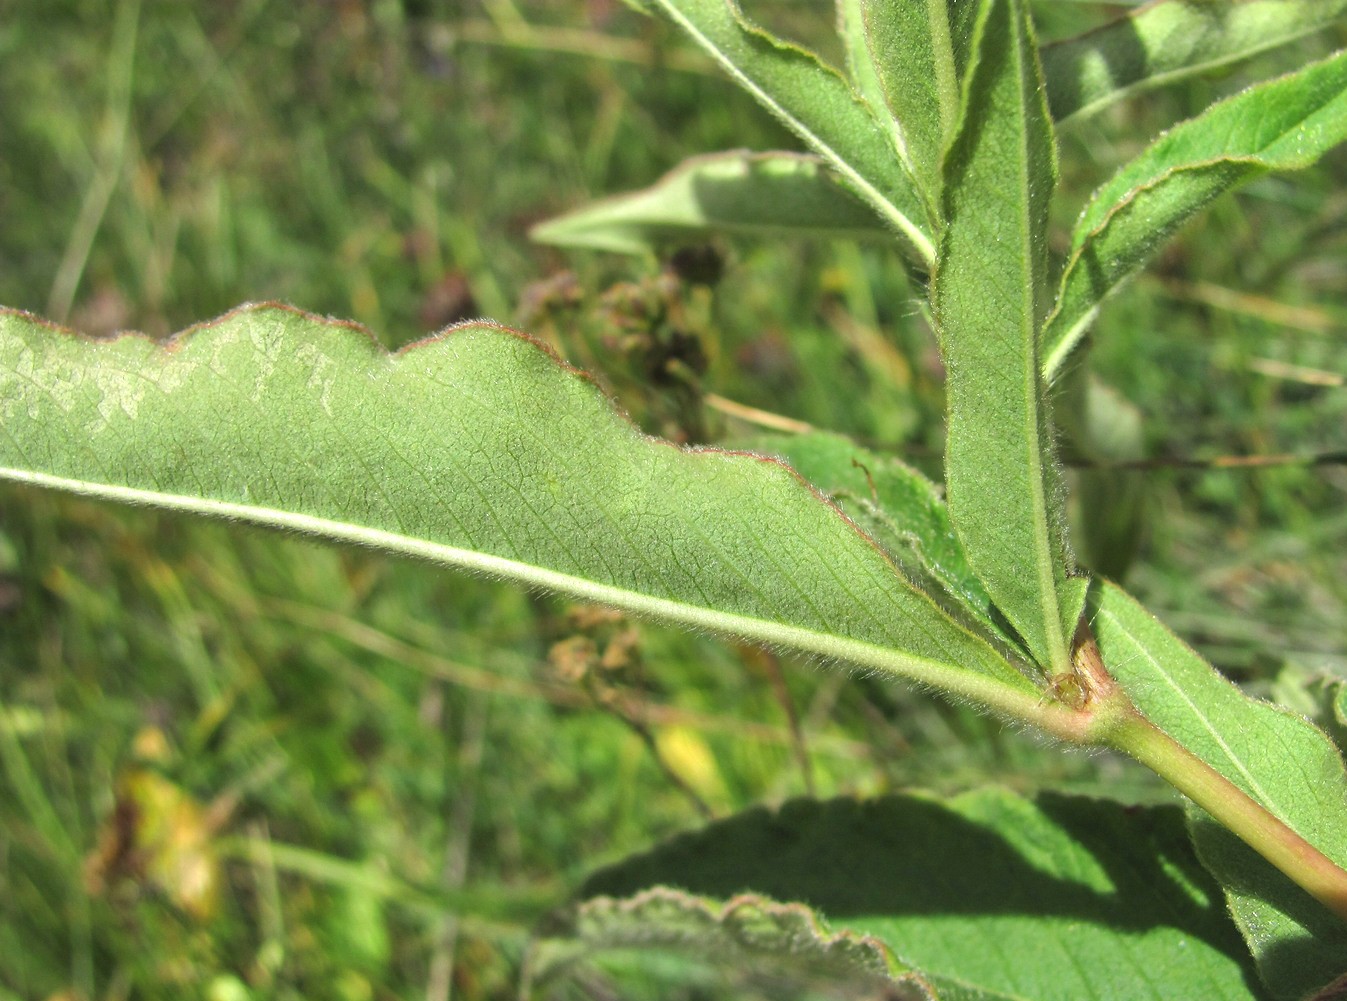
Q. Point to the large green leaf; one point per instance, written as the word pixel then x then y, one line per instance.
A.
pixel 1284 124
pixel 988 895
pixel 1274 755
pixel 1160 42
pixel 989 294
pixel 737 193
pixel 817 103
pixel 920 68
pixel 476 449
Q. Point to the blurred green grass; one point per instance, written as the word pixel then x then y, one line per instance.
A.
pixel 342 750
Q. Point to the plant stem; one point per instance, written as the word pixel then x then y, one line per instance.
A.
pixel 1253 823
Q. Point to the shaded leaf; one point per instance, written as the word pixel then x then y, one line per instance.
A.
pixel 736 193
pixel 987 895
pixel 1158 43
pixel 478 450
pixel 1279 758
pixel 742 929
pixel 989 294
pixel 815 102
pixel 1284 124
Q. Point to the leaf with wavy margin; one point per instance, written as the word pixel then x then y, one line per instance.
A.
pixel 746 929
pixel 987 895
pixel 477 450
pixel 1284 124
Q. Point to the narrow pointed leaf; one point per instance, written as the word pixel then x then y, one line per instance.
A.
pixel 920 68
pixel 815 102
pixel 1161 42
pixel 1284 124
pixel 988 895
pixel 735 193
pixel 989 296
pixel 1276 756
pixel 479 450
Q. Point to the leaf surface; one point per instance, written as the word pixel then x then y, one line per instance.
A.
pixel 900 509
pixel 988 895
pixel 861 69
pixel 744 929
pixel 476 449
pixel 920 58
pixel 815 102
pixel 1284 124
pixel 1276 756
pixel 989 294
pixel 736 193
pixel 1161 42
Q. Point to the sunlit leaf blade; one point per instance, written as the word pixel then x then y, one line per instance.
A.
pixel 743 930
pixel 735 193
pixel 988 895
pixel 900 509
pixel 989 295
pixel 815 102
pixel 1284 124
pixel 479 450
pixel 920 68
pixel 1278 757
pixel 1161 42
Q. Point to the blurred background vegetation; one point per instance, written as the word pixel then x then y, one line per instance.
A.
pixel 236 765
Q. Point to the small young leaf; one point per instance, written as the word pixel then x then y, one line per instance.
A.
pixel 989 294
pixel 1158 43
pixel 920 58
pixel 987 895
pixel 735 193
pixel 478 450
pixel 1284 124
pixel 1279 758
pixel 815 102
